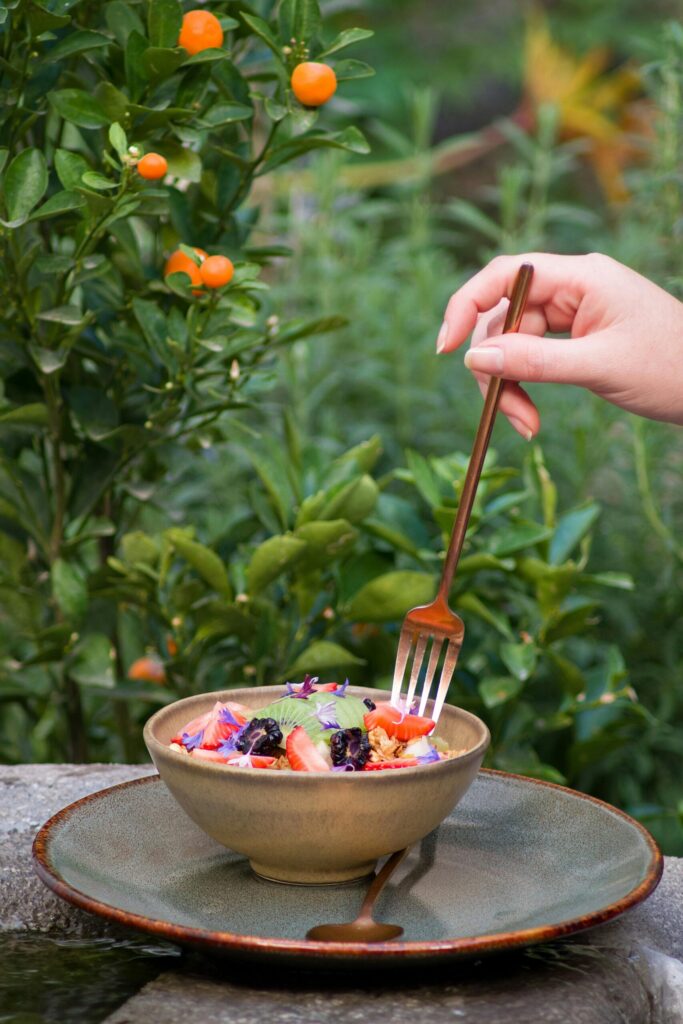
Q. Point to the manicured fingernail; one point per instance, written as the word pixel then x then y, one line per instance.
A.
pixel 441 338
pixel 521 428
pixel 485 358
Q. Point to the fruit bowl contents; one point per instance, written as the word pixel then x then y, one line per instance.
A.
pixel 293 780
pixel 312 727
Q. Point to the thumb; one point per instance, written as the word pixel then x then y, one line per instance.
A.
pixel 530 358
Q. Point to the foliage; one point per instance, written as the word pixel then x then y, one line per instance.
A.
pixel 108 369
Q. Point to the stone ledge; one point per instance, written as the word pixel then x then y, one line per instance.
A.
pixel 627 972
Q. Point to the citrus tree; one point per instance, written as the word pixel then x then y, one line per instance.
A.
pixel 135 314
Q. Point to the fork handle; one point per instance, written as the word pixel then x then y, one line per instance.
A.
pixel 520 292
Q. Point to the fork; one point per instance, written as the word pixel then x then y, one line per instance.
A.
pixel 436 622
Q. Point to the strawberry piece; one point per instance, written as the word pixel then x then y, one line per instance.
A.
pixel 193 727
pixel 255 761
pixel 396 723
pixel 208 755
pixel 239 711
pixel 219 727
pixel 327 687
pixel 303 754
pixel 397 762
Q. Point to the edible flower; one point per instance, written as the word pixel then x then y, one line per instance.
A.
pixel 433 755
pixel 226 716
pixel 325 715
pixel 229 746
pixel 341 690
pixel 190 742
pixel 304 690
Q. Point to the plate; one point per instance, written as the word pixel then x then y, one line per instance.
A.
pixel 518 861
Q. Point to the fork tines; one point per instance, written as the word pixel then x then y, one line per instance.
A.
pixel 414 642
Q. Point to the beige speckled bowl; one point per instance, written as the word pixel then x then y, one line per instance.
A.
pixel 314 827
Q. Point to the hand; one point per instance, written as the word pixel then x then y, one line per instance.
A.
pixel 626 335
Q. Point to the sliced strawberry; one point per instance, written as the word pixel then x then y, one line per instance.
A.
pixel 255 761
pixel 327 687
pixel 219 726
pixel 398 762
pixel 396 723
pixel 208 755
pixel 303 754
pixel 239 711
pixel 193 727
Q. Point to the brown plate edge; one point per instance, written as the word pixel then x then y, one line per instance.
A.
pixel 440 948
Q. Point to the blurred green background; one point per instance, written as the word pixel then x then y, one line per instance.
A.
pixel 494 128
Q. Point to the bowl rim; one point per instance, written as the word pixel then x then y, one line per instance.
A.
pixel 154 744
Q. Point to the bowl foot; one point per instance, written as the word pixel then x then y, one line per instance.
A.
pixel 295 876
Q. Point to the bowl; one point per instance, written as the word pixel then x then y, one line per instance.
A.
pixel 314 827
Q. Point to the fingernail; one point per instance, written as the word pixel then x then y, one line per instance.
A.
pixel 485 358
pixel 441 338
pixel 521 428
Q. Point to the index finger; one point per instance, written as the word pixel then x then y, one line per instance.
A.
pixel 552 274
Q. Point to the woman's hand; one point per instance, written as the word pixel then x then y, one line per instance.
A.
pixel 626 335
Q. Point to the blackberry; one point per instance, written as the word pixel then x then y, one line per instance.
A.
pixel 370 704
pixel 260 736
pixel 350 746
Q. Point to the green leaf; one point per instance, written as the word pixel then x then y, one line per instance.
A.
pixel 79 108
pixel 517 537
pixel 70 168
pixel 499 689
pixel 182 162
pixel 94 180
pixel 69 315
pixel 94 410
pixel 423 477
pixel 24 184
pixel 69 589
pixel 164 21
pixel 346 70
pixel 346 38
pixel 76 42
pixel 299 20
pixel 42 20
pixel 208 56
pixel 92 661
pixel 33 415
pixel 261 29
pixel 321 656
pixel 325 542
pixel 49 359
pixel 351 140
pixel 390 596
pixel 617 580
pixel 482 561
pixel 133 62
pixel 221 114
pixel 354 501
pixel 519 659
pixel 469 602
pixel 271 559
pixel 58 204
pixel 205 561
pixel 160 64
pixel 139 548
pixel 294 330
pixel 118 139
pixel 121 21
pixel 570 529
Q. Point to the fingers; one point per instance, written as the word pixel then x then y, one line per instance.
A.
pixel 530 358
pixel 517 406
pixel 555 277
pixel 491 324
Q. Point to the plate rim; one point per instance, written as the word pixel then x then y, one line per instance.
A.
pixel 235 942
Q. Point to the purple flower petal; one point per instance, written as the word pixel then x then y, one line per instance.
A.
pixel 341 690
pixel 190 742
pixel 229 745
pixel 433 755
pixel 303 691
pixel 325 715
pixel 226 716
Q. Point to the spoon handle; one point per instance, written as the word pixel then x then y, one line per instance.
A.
pixel 379 881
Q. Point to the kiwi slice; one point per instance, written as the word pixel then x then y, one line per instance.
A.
pixel 289 712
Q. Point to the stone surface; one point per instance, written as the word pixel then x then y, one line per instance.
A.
pixel 627 972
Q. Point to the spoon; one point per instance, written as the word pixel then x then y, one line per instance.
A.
pixel 364 928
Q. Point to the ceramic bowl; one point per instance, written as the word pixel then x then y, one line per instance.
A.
pixel 314 827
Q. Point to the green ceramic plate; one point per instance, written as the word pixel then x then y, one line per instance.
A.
pixel 517 862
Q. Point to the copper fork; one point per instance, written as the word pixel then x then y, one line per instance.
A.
pixel 436 622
